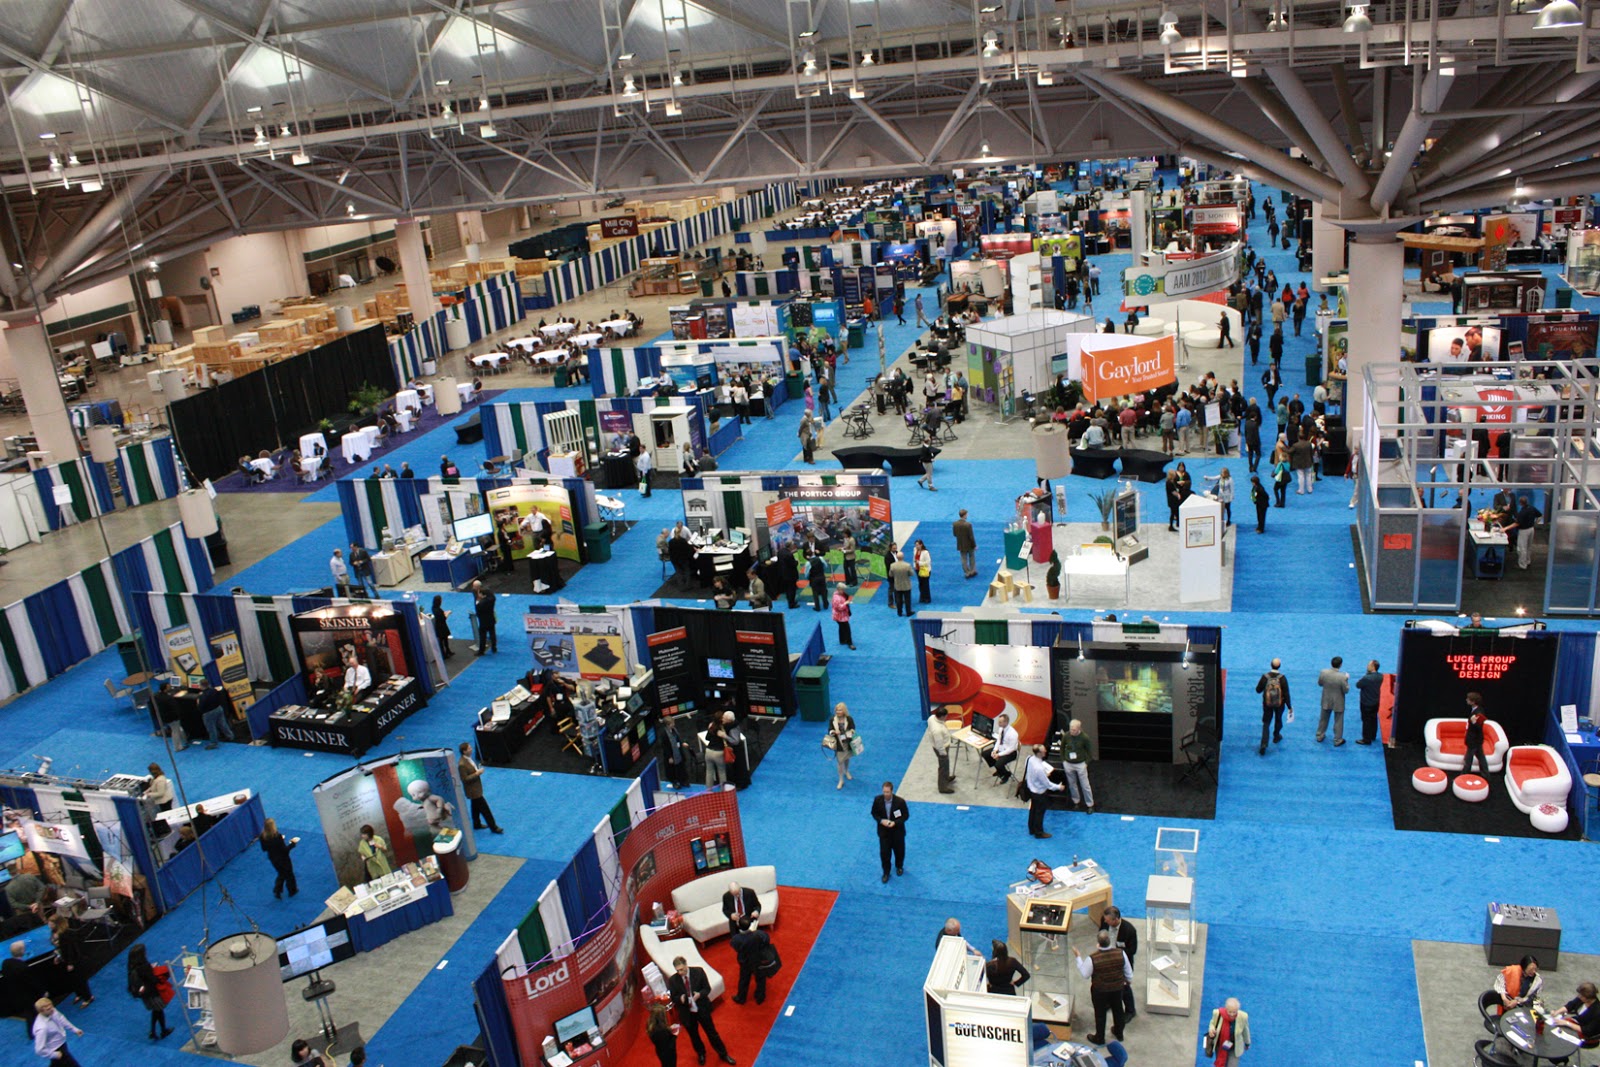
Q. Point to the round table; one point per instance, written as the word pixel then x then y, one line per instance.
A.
pixel 1517 1028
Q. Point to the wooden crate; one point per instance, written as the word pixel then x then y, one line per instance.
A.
pixel 305 311
pixel 210 335
pixel 218 353
pixel 279 331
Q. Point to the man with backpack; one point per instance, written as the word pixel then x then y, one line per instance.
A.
pixel 1274 690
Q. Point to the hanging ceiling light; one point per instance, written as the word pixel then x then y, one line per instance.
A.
pixel 72 158
pixel 1169 28
pixel 300 158
pixel 1559 15
pixel 483 103
pixel 808 62
pixel 991 44
pixel 677 77
pixel 55 165
pixel 1519 195
pixel 261 138
pixel 1358 22
pixel 984 153
pixel 284 131
pixel 628 87
pixel 866 57
pixel 488 132
pixel 1279 21
pixel 447 113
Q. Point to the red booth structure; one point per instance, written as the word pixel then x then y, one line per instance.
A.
pixel 542 975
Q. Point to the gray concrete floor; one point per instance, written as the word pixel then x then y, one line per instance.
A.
pixel 1450 977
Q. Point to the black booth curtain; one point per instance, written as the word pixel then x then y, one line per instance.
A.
pixel 272 407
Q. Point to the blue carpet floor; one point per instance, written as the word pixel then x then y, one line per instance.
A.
pixel 1312 897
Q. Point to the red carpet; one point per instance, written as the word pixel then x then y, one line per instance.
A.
pixel 744 1027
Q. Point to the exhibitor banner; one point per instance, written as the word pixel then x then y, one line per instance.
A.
pixel 228 655
pixel 183 655
pixel 1121 364
pixel 509 504
pixel 408 800
pixel 1190 277
pixel 1012 680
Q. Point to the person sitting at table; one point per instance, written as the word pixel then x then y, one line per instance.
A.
pixel 1519 983
pixel 357 678
pixel 320 689
pixel 296 465
pixel 202 820
pixel 1582 1014
pixel 186 837
pixel 447 468
pixel 1003 753
pixel 477 387
pixel 251 475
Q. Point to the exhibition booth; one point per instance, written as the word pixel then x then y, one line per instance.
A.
pixel 80 489
pixel 1437 447
pixel 1022 353
pixel 688 365
pixel 572 438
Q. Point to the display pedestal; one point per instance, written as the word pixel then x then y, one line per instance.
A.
pixel 1169 905
pixel 1200 550
pixel 451 863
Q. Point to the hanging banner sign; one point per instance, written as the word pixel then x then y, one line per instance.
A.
pixel 1174 281
pixel 228 655
pixel 619 226
pixel 56 838
pixel 1210 221
pixel 1122 369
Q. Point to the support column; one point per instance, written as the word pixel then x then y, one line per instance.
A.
pixel 1377 276
pixel 41 392
pixel 1138 218
pixel 414 269
pixel 1327 245
pixel 473 235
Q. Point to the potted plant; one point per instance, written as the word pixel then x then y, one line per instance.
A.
pixel 366 398
pixel 1052 577
pixel 1106 501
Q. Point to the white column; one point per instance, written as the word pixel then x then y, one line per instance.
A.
pixel 414 269
pixel 1327 246
pixel 1377 269
pixel 41 392
pixel 1138 219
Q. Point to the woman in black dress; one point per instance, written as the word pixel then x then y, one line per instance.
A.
pixel 143 985
pixel 1003 972
pixel 277 850
pixel 662 1035
pixel 441 625
pixel 67 935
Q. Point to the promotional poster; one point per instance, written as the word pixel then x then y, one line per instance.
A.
pixel 1562 340
pixel 330 638
pixel 408 800
pixel 183 656
pixel 228 655
pixel 587 644
pixel 705 649
pixel 995 680
pixel 1121 364
pixel 821 515
pixel 1463 344
pixel 509 504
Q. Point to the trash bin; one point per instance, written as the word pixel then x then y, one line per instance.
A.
pixel 1014 540
pixel 1313 369
pixel 456 335
pixel 857 334
pixel 795 383
pixel 597 541
pixel 561 377
pixel 705 290
pixel 128 649
pixel 811 692
pixel 1563 297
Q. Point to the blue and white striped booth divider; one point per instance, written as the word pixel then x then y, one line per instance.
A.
pixel 512 427
pixel 490 305
pixel 149 471
pixel 371 505
pixel 90 487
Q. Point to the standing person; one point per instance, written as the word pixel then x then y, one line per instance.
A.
pixel 1274 689
pixel 374 853
pixel 922 320
pixel 1224 331
pixel 751 945
pixel 966 544
pixel 739 765
pixel 21 985
pixel 1003 973
pixel 483 605
pixel 1108 971
pixel 1174 499
pixel 1303 460
pixel 1228 1035
pixel 277 848
pixel 1474 736
pixel 817 580
pixel 643 464
pixel 923 561
pixel 145 986
pixel 159 791
pixel 841 615
pixel 900 585
pixel 1272 381
pixel 1335 684
pixel 1003 753
pixel 472 786
pixel 842 729
pixel 808 439
pixel 361 564
pixel 1252 338
pixel 67 935
pixel 1126 937
pixel 1527 517
pixel 1370 688
pixel 50 1034
pixel 890 813
pixel 1224 490
pixel 341 574
pixel 441 625
pixel 1258 497
pixel 1036 778
pixel 663 1035
pixel 847 552
pixel 691 995
pixel 929 451
pixel 716 753
pixel 788 575
pixel 939 740
pixel 1252 436
pixel 1076 752
pixel 1281 475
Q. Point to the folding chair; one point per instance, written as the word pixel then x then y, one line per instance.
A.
pixel 1199 748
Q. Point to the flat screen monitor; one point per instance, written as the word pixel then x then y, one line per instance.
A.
pixel 1141 686
pixel 579 1031
pixel 983 725
pixel 314 947
pixel 11 847
pixel 474 526
pixel 719 668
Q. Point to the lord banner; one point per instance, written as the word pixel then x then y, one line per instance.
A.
pixel 1117 365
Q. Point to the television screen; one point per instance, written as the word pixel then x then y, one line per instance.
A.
pixel 314 947
pixel 580 1030
pixel 719 668
pixel 1134 686
pixel 474 526
pixel 10 847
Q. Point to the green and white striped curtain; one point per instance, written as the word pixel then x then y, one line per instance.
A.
pixel 518 430
pixel 149 471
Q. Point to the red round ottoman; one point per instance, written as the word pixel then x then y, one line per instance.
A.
pixel 1430 780
pixel 1471 788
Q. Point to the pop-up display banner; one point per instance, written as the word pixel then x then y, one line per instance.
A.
pixel 1122 364
pixel 749 648
pixel 509 505
pixel 375 633
pixel 407 799
pixel 662 851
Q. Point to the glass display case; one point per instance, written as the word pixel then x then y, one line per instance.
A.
pixel 1176 851
pixel 1583 259
pixel 1169 910
pixel 1040 932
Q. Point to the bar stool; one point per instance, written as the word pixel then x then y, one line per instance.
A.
pixel 1591 812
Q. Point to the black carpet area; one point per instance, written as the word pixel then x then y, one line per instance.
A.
pixel 1124 787
pixel 1444 813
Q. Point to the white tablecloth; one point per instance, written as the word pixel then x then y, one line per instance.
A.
pixel 427 393
pixel 265 467
pixel 403 417
pixel 357 445
pixel 623 326
pixel 312 443
pixel 490 359
pixel 309 466
pixel 546 358
pixel 558 329
pixel 587 340
pixel 465 391
pixel 406 400
pixel 527 344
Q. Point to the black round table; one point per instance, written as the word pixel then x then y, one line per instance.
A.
pixel 1518 1030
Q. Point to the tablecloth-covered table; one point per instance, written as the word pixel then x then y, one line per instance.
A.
pixel 587 340
pixel 367 933
pixel 557 329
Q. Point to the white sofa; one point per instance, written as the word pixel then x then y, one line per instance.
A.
pixel 1445 740
pixel 1536 775
pixel 662 953
pixel 700 901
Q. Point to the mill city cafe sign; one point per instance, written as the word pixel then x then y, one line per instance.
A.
pixel 1183 278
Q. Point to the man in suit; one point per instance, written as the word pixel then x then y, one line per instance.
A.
pixel 1125 936
pixel 21 987
pixel 1335 683
pixel 691 995
pixel 737 903
pixel 750 945
pixel 890 813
